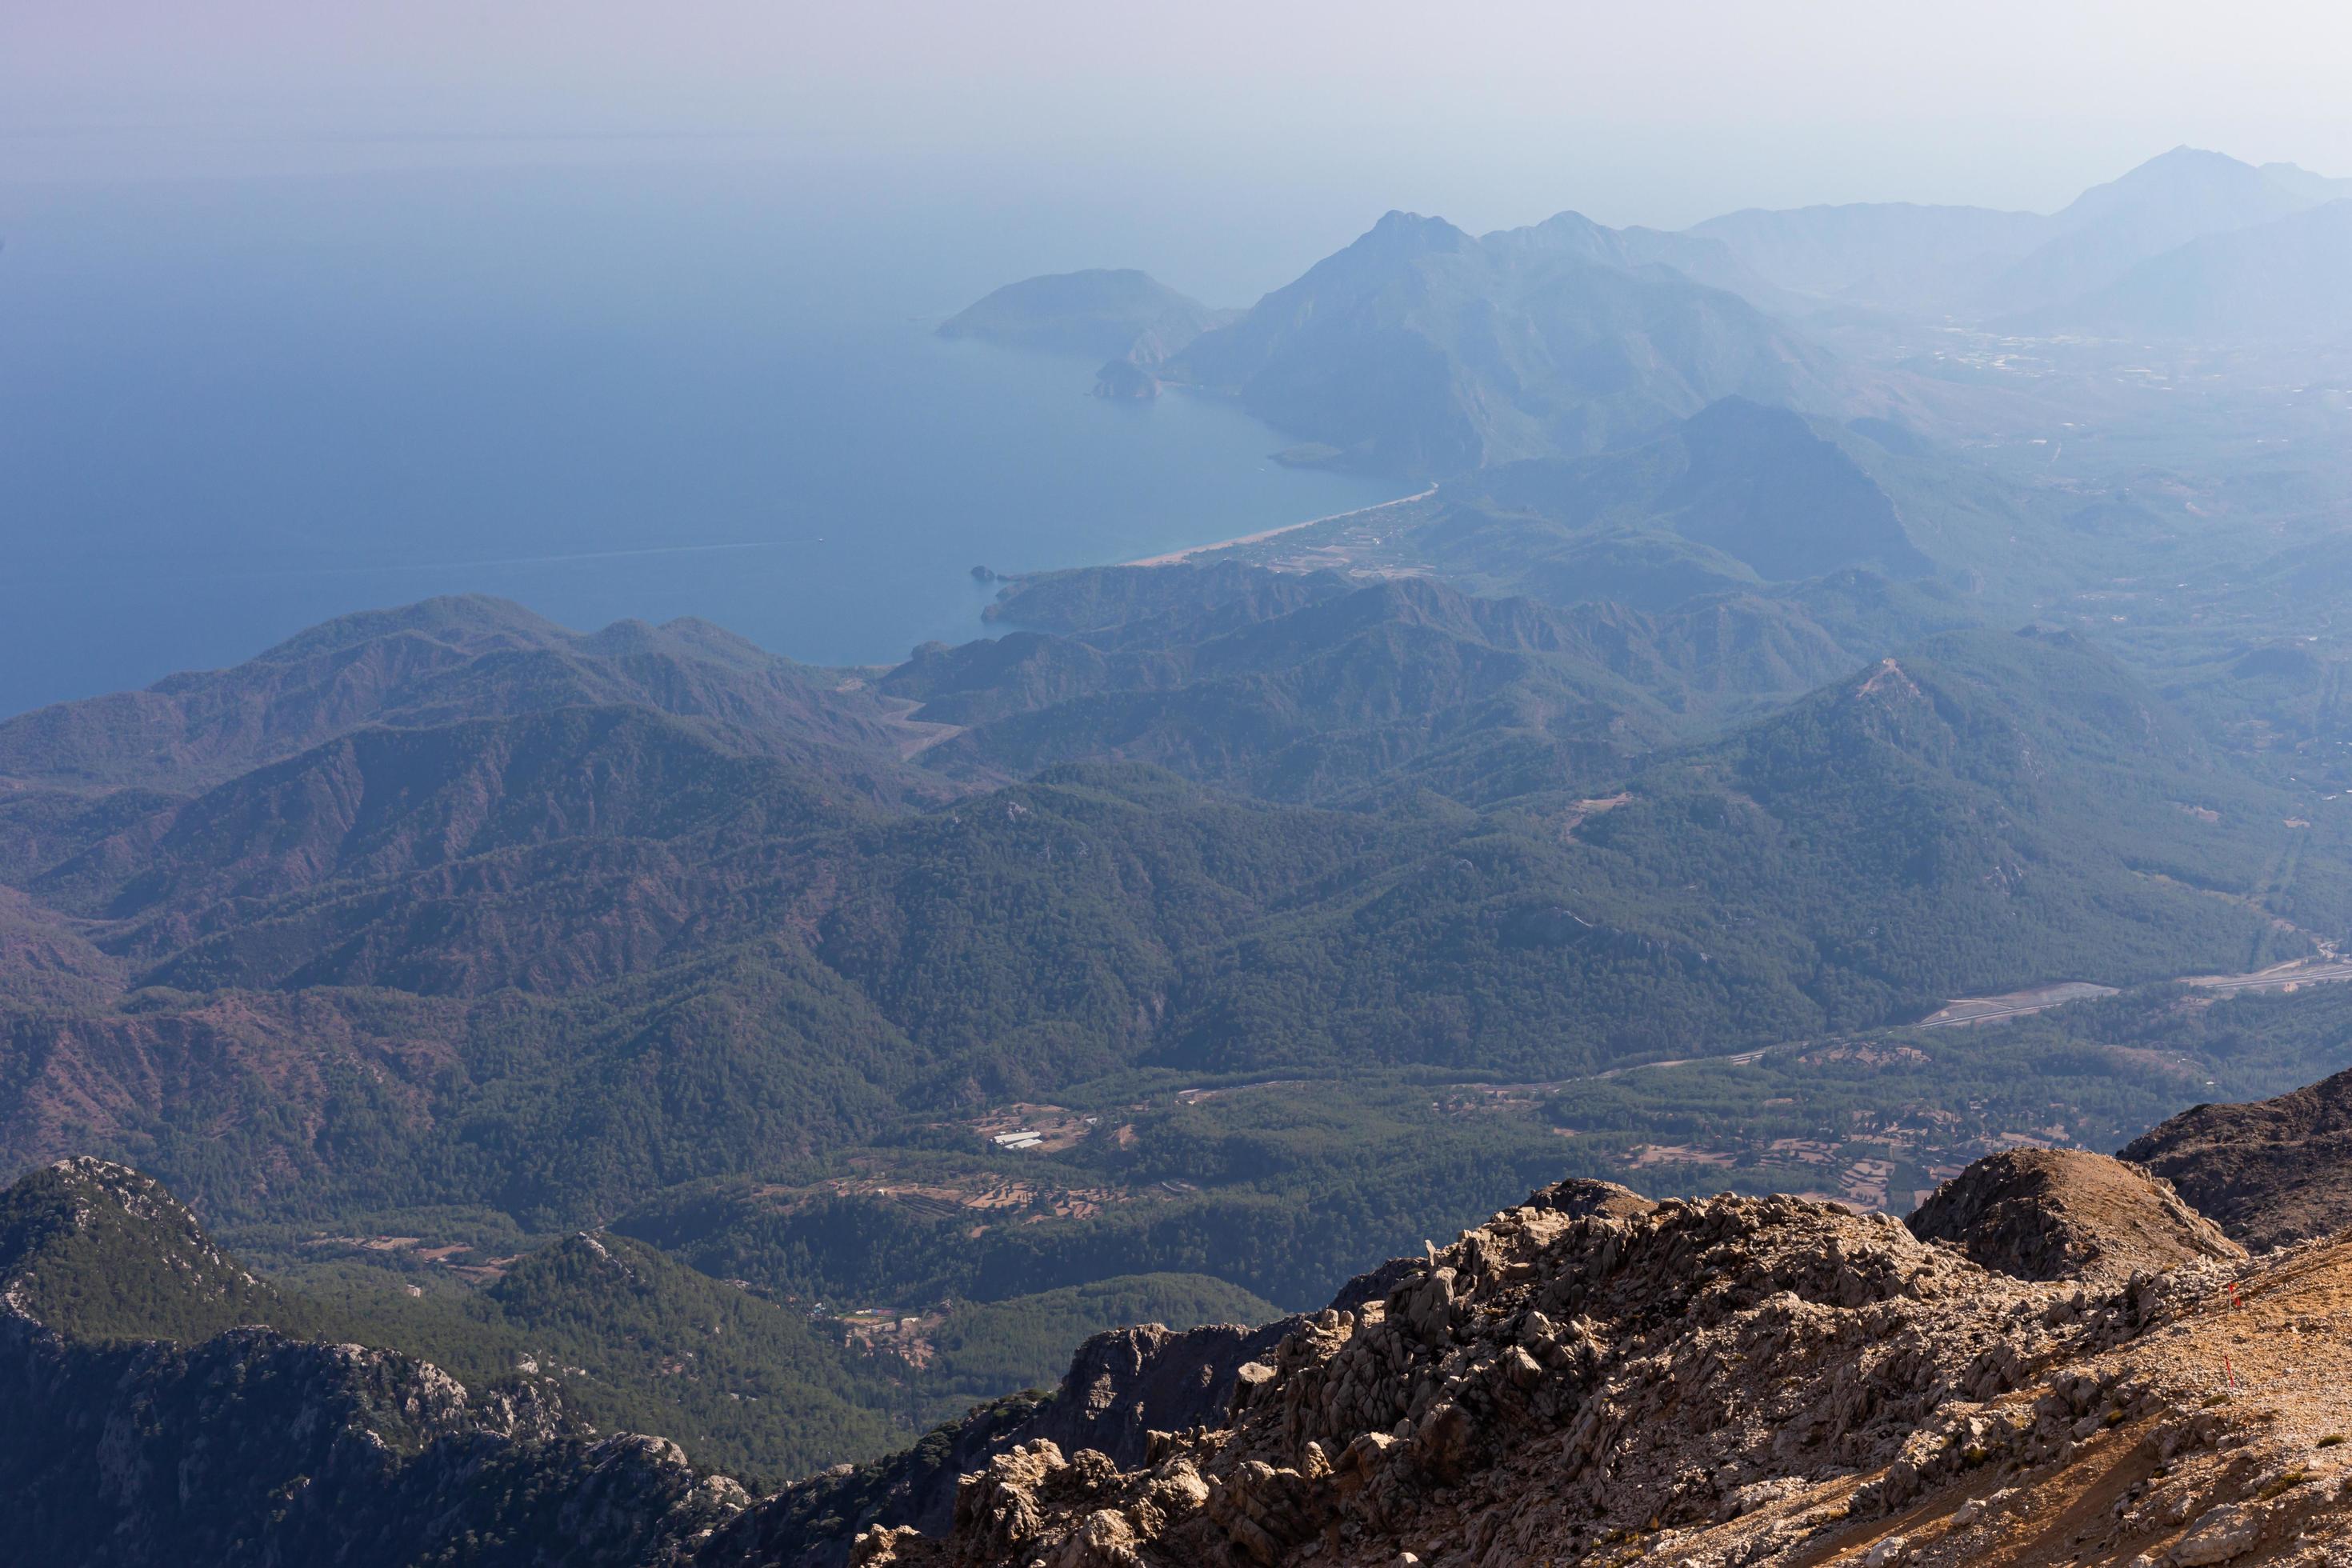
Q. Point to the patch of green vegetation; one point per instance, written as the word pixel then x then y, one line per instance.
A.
pixel 636 1341
pixel 2285 1482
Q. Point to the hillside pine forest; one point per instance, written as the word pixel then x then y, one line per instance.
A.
pixel 1842 722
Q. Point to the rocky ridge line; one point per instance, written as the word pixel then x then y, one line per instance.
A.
pixel 1734 1380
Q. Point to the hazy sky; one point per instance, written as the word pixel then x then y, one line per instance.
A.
pixel 1318 115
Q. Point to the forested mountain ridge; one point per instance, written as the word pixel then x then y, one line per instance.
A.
pixel 1314 687
pixel 626 957
pixel 1756 483
pixel 592 1328
pixel 433 662
pixel 1420 350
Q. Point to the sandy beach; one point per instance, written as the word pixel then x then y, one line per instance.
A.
pixel 1174 556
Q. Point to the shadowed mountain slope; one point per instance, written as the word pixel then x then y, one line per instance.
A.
pixel 2272 1172
pixel 141 1427
pixel 1758 484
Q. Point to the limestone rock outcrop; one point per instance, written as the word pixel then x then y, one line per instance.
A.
pixel 1747 1381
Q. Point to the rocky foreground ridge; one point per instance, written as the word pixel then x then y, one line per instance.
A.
pixel 1592 1379
pixel 2058 1361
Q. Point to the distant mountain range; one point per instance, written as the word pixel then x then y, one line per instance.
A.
pixel 1977 263
pixel 552 959
pixel 2281 281
pixel 1421 349
pixel 465 657
pixel 1316 689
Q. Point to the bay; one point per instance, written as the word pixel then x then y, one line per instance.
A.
pixel 230 409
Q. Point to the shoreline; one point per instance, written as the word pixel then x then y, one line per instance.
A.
pixel 1177 557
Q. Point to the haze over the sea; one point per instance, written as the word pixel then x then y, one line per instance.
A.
pixel 619 311
pixel 231 407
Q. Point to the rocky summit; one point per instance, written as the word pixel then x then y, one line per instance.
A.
pixel 2060 1214
pixel 2058 1361
pixel 1748 1380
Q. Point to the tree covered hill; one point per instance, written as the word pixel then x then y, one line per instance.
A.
pixel 1421 350
pixel 611 1330
pixel 611 968
pixel 548 963
pixel 1310 687
pixel 437 662
pixel 1102 314
pixel 1754 483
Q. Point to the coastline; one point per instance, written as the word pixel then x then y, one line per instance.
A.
pixel 1177 557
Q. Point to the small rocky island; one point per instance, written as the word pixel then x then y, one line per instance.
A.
pixel 1133 320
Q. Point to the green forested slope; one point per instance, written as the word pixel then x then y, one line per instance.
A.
pixel 483 983
pixel 634 1339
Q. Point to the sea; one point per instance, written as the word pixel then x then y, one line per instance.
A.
pixel 231 407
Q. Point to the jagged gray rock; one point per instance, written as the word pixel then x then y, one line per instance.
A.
pixel 1732 1381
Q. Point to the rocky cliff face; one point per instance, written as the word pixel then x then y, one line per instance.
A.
pixel 1746 1381
pixel 1122 1387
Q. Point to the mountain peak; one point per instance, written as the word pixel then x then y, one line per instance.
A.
pixel 93 1249
pixel 457 617
pixel 2068 1214
pixel 2184 159
pixel 1414 349
pixel 2189 174
pixel 1401 232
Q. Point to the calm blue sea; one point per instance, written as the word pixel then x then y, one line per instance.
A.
pixel 230 409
